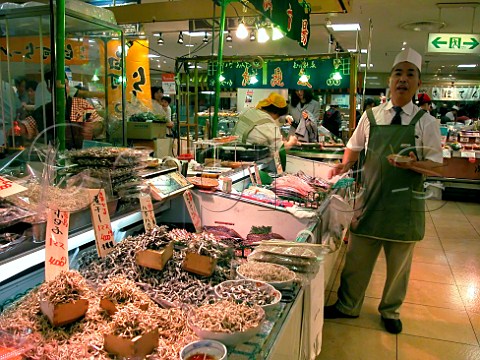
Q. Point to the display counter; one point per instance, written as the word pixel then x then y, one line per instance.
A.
pixel 317 152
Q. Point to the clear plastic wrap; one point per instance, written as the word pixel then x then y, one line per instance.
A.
pixel 341 214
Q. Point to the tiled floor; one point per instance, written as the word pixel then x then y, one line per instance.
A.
pixel 441 314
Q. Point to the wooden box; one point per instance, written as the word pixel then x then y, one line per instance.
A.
pixel 62 314
pixel 199 264
pixel 146 130
pixel 155 259
pixel 110 307
pixel 138 347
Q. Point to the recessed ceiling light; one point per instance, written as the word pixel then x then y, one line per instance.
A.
pixel 344 27
pixel 189 45
pixel 467 65
pixel 153 56
pixel 363 65
pixel 363 51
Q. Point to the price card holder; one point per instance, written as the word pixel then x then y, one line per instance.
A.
pixel 447 153
pixel 56 244
pixel 149 221
pixel 467 154
pixel 252 177
pixel 101 222
pixel 258 179
pixel 8 187
pixel 192 210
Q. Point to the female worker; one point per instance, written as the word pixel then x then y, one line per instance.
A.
pixel 260 126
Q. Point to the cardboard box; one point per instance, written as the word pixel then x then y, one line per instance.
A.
pixel 199 264
pixel 147 131
pixel 110 307
pixel 138 347
pixel 62 314
pixel 155 259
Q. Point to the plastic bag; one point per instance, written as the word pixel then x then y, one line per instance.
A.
pixel 341 214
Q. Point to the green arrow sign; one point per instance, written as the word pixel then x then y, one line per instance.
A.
pixel 454 43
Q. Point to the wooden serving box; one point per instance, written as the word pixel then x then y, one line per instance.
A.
pixel 155 259
pixel 110 307
pixel 138 347
pixel 62 314
pixel 199 264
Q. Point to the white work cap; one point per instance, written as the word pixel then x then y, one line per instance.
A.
pixel 455 107
pixel 410 56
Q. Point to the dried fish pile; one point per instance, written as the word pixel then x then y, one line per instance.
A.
pixel 130 322
pixel 227 317
pixel 172 283
pixel 318 184
pixel 66 287
pixel 84 338
pixel 246 291
pixel 122 291
pixel 260 233
pixel 265 272
pixel 105 156
pixel 10 214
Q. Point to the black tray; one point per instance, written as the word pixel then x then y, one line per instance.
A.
pixel 243 152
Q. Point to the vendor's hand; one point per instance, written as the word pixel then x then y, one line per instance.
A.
pixel 305 114
pixel 289 119
pixel 170 124
pixel 337 169
pixel 401 161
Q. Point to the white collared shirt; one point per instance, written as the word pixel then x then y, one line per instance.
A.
pixel 427 131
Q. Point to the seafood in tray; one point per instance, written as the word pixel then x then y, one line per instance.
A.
pixel 276 275
pixel 249 292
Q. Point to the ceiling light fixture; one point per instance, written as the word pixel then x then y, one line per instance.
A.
pixel 180 38
pixel 242 31
pixel 229 37
pixel 262 35
pixel 276 33
pixel 337 76
pixel 304 78
pixel 252 36
pixel 344 27
pixel 467 65
pixel 253 80
pixel 160 39
pixel 205 38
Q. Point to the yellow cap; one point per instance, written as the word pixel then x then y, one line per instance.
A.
pixel 274 99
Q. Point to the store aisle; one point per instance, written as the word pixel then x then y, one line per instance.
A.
pixel 441 314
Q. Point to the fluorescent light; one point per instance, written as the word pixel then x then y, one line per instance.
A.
pixel 344 27
pixel 363 65
pixel 253 80
pixel 276 33
pixel 195 33
pixel 304 78
pixel 363 51
pixel 207 92
pixel 193 66
pixel 337 76
pixel 153 56
pixel 372 77
pixel 221 78
pixel 467 65
pixel 189 45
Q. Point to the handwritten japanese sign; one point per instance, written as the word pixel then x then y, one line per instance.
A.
pixel 101 222
pixel 8 187
pixel 138 67
pixel 148 214
pixel 30 50
pixel 56 244
pixel 192 210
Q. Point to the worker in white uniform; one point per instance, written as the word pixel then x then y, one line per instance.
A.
pixel 390 209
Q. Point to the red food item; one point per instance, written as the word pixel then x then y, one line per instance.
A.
pixel 201 357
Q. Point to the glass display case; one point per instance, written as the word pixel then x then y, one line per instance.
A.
pixel 94 68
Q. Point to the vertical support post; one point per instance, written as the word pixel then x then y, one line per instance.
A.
pixel 60 72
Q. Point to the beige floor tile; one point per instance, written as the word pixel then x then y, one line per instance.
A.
pixel 375 287
pixel 465 276
pixel 415 347
pixel 462 231
pixel 437 323
pixel 429 256
pixel 475 320
pixel 469 208
pixel 431 272
pixel 463 259
pixel 344 342
pixel 441 206
pixel 445 220
pixel 430 242
pixel 465 245
pixel 471 298
pixel 434 294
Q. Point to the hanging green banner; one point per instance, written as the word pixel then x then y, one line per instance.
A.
pixel 292 16
pixel 316 74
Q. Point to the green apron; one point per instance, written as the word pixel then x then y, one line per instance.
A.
pixel 391 204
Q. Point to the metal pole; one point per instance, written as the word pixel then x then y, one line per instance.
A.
pixel 367 65
pixel 60 72
pixel 221 36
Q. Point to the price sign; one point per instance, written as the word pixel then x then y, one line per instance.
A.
pixel 101 222
pixel 56 244
pixel 148 214
pixel 192 210
pixel 8 187
pixel 278 163
pixel 258 179
pixel 467 154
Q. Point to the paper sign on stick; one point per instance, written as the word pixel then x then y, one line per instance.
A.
pixel 192 210
pixel 8 187
pixel 101 222
pixel 56 244
pixel 149 221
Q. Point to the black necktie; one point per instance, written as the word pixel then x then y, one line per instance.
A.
pixel 397 119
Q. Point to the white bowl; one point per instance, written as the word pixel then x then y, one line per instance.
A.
pixel 207 347
pixel 275 284
pixel 259 284
pixel 229 339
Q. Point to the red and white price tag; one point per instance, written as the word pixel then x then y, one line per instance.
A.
pixel 192 210
pixel 8 187
pixel 101 222
pixel 56 244
pixel 148 214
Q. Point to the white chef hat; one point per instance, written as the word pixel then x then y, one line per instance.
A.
pixel 409 55
pixel 455 107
